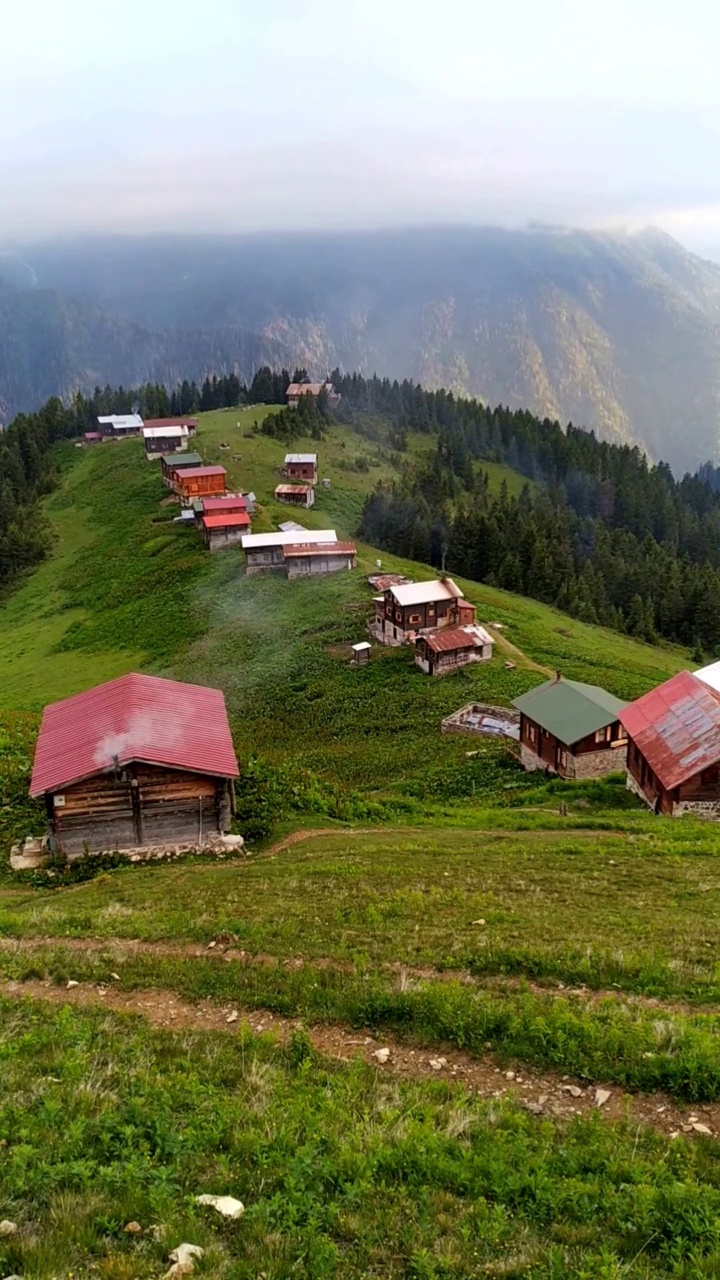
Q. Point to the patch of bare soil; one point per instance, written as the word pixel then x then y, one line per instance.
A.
pixel 541 1093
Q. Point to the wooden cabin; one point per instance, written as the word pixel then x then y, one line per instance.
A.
pixel 306 559
pixel 571 729
pixel 159 440
pixel 190 424
pixel 407 610
pixel 301 466
pixel 297 390
pixel 265 552
pixel 228 504
pixel 171 462
pixel 295 495
pixel 139 761
pixel 117 426
pixel 198 482
pixel 673 759
pixel 437 653
pixel 225 529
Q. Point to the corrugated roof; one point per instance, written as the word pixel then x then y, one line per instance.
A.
pixel 710 675
pixel 93 435
pixel 569 709
pixel 122 421
pixel 426 592
pixel 171 422
pixel 291 526
pixel 319 549
pixel 471 637
pixel 230 520
pixel 181 460
pixel 256 541
pixel 229 502
pixel 676 727
pixel 136 717
pixel 306 388
pixel 301 457
pixel 193 473
pixel 294 488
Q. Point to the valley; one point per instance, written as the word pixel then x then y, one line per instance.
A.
pixel 220 1025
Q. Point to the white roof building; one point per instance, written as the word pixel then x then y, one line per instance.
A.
pixel 122 421
pixel 426 592
pixel 710 676
pixel 165 433
pixel 310 458
pixel 256 541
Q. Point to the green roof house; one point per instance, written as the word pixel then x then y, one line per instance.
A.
pixel 571 729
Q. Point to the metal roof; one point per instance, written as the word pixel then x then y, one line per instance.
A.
pixel 229 502
pixel 471 637
pixel 676 727
pixel 122 421
pixel 165 433
pixel 174 460
pixel 710 675
pixel 426 592
pixel 171 422
pixel 294 488
pixel 291 526
pixel 231 520
pixel 256 541
pixel 137 717
pixel 320 549
pixel 569 709
pixel 307 388
pixel 194 473
pixel 301 457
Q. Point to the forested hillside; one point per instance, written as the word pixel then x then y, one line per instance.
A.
pixel 620 333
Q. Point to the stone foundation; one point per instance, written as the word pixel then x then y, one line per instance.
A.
pixel 532 762
pixel 596 764
pixel 708 809
pixel 34 853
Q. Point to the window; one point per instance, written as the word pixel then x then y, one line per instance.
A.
pixel 415 617
pixel 603 735
pixel 431 611
pixel 562 760
pixel 621 733
pixel 398 615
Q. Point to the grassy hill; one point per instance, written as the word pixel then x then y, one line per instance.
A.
pixel 215 1026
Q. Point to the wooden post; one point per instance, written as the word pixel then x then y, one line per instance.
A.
pixel 137 810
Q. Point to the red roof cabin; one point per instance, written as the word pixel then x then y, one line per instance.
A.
pixel 673 761
pixel 437 653
pixel 171 462
pixel 199 482
pixel 225 529
pixel 300 467
pixel 139 761
pixel 295 495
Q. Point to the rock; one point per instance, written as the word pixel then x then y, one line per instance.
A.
pixel 132 1228
pixel 211 945
pixel 183 1260
pixel 437 1064
pixel 481 921
pixel 509 1075
pixel 702 1128
pixel 72 983
pixel 115 977
pixel 8 1228
pixel 228 1206
pixel 573 1090
pixel 382 1055
pixel 601 1097
pixel 231 842
pixel 232 1017
pixel 534 1107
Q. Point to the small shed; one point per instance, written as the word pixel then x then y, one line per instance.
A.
pixel 361 653
pixel 296 495
pixel 306 559
pixel 170 462
pixel 301 466
pixel 139 761
pixel 225 529
pixel 437 653
pixel 572 729
pixel 199 482
pixel 673 758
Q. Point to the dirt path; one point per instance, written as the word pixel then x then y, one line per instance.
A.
pixel 222 949
pixel 542 1093
pixel 513 652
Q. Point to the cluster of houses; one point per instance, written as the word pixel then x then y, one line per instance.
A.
pixel 433 616
pixel 160 435
pixel 300 471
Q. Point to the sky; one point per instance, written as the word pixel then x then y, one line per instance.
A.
pixel 143 115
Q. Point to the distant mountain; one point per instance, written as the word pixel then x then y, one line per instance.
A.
pixel 53 345
pixel 616 332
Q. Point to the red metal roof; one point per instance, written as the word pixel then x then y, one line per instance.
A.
pixel 320 549
pixel 193 473
pixel 230 520
pixel 137 717
pixel 170 422
pixel 457 638
pixel 93 435
pixel 231 502
pixel 294 488
pixel 676 727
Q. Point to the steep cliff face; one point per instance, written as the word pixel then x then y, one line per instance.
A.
pixel 616 332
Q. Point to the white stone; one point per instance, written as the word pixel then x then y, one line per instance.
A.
pixel 228 1206
pixel 7 1228
pixel 232 1017
pixel 72 983
pixel 481 921
pixel 702 1128
pixel 382 1055
pixel 573 1090
pixel 437 1064
pixel 185 1255
pixel 231 842
pixel 601 1097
